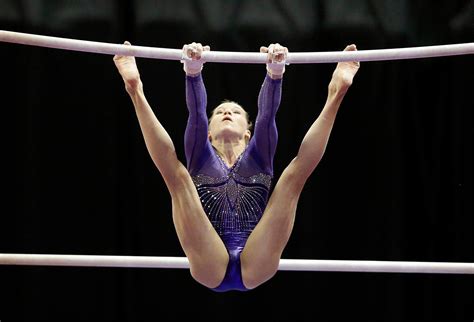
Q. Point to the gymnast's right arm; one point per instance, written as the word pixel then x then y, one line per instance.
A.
pixel 158 142
pixel 196 142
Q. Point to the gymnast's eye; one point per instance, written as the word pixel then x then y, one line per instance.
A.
pixel 236 112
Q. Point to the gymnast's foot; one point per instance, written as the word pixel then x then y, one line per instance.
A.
pixel 127 68
pixel 344 73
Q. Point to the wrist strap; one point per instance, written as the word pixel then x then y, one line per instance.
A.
pixel 276 69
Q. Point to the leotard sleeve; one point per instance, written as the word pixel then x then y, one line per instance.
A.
pixel 265 134
pixel 196 142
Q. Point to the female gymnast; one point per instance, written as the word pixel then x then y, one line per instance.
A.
pixel 232 232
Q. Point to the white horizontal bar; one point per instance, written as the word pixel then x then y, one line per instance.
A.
pixel 285 264
pixel 236 57
pixel 93 261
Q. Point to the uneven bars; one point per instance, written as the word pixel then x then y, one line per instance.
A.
pixel 285 264
pixel 236 57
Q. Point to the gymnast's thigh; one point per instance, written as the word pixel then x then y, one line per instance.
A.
pixel 207 255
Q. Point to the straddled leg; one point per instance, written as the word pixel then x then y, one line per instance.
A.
pixel 262 252
pixel 207 255
pixel 206 252
pixel 261 255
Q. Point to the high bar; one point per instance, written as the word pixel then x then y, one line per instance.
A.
pixel 236 57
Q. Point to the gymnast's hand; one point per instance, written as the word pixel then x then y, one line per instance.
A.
pixel 127 68
pixel 192 63
pixel 276 59
pixel 344 73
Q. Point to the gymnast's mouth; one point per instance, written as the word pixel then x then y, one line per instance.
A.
pixel 226 118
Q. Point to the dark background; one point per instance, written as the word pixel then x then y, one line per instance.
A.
pixel 395 182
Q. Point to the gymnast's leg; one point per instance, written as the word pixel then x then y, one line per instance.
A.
pixel 261 255
pixel 207 255
pixel 202 245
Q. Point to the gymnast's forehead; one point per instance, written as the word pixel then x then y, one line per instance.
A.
pixel 229 105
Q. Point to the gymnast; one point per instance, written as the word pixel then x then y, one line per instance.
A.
pixel 232 232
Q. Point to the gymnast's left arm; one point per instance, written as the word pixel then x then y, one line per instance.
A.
pixel 269 98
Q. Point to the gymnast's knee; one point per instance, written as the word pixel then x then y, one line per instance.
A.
pixel 294 177
pixel 179 181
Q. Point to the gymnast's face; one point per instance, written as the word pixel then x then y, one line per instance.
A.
pixel 229 121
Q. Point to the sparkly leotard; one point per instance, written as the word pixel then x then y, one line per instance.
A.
pixel 233 198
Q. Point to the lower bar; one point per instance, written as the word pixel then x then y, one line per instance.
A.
pixel 285 264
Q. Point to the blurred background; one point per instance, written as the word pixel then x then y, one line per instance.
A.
pixel 395 183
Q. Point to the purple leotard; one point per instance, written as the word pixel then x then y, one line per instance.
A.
pixel 233 198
